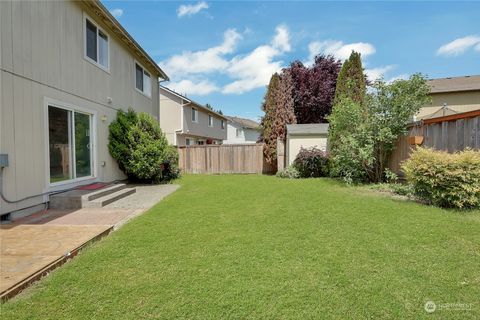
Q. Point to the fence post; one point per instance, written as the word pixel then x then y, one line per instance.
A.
pixel 280 154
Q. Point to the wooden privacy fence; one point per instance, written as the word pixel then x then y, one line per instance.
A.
pixel 450 133
pixel 227 158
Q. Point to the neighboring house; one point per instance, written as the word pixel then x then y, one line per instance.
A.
pixel 451 96
pixel 66 68
pixel 305 136
pixel 186 122
pixel 242 131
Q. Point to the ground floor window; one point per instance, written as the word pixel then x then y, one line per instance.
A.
pixel 200 142
pixel 70 152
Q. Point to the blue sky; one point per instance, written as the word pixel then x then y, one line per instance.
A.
pixel 223 53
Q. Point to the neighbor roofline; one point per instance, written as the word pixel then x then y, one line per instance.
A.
pixel 190 101
pixel 444 90
pixel 102 12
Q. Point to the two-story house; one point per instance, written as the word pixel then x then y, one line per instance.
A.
pixel 451 95
pixel 242 131
pixel 186 122
pixel 66 68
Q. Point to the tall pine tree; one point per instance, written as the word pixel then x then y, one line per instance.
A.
pixel 348 109
pixel 269 107
pixel 285 113
pixel 351 82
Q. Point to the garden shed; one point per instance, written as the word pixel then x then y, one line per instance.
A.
pixel 305 136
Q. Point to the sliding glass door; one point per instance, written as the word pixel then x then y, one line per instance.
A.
pixel 69 144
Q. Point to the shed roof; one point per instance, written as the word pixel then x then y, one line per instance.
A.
pixel 454 84
pixel 245 123
pixel 307 129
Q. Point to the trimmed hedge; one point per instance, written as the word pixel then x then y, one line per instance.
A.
pixel 444 179
pixel 311 163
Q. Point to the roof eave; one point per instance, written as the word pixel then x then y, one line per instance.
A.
pixel 102 12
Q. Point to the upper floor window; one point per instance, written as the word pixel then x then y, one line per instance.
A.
pixel 238 133
pixel 143 81
pixel 223 124
pixel 96 44
pixel 210 120
pixel 194 115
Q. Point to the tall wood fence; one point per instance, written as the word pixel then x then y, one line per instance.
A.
pixel 450 133
pixel 227 158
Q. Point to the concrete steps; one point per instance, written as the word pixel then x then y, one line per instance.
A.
pixel 109 198
pixel 76 199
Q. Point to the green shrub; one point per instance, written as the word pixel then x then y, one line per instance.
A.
pixel 443 179
pixel 288 173
pixel 362 134
pixel 311 163
pixel 171 171
pixel 141 149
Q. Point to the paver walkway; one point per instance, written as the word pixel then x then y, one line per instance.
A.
pixel 32 246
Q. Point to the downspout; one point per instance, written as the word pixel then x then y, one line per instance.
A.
pixel 181 121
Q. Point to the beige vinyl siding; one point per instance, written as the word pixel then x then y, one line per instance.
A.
pixel 170 115
pixel 200 127
pixel 295 143
pixel 176 120
pixel 456 98
pixel 42 56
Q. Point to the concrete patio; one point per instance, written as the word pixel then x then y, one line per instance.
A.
pixel 33 246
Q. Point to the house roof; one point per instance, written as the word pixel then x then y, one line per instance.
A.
pixel 436 112
pixel 190 101
pixel 454 84
pixel 106 17
pixel 245 123
pixel 307 129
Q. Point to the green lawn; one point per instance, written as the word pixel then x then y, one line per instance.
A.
pixel 250 246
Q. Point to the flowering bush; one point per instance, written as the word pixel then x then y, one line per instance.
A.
pixel 311 162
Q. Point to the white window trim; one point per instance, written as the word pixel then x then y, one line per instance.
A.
pixel 66 106
pixel 210 117
pixel 95 63
pixel 196 117
pixel 222 124
pixel 135 62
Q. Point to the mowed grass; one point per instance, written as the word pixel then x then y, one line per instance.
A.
pixel 247 246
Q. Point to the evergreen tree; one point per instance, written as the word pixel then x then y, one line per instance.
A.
pixel 285 113
pixel 351 82
pixel 269 107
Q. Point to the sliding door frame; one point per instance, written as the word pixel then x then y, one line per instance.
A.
pixel 93 142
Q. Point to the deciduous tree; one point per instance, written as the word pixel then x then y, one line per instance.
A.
pixel 314 88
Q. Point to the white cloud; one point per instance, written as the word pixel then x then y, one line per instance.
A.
pixel 338 49
pixel 282 39
pixel 202 87
pixel 459 46
pixel 379 72
pixel 402 76
pixel 255 69
pixel 203 61
pixel 248 71
pixel 191 9
pixel 117 13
